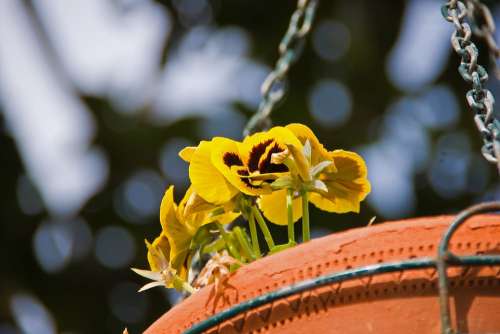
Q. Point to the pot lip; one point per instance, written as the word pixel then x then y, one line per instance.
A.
pixel 352 235
pixel 355 233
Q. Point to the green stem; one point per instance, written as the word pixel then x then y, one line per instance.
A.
pixel 234 253
pixel 253 235
pixel 215 246
pixel 242 238
pixel 289 208
pixel 306 232
pixel 263 226
pixel 280 248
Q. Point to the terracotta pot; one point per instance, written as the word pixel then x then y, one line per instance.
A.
pixel 398 302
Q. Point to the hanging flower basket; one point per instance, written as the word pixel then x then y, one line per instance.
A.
pixel 399 298
pixel 396 277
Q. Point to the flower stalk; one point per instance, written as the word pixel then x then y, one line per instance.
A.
pixel 289 209
pixel 263 226
pixel 253 235
pixel 242 238
pixel 232 250
pixel 306 232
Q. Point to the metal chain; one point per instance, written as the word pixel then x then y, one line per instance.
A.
pixel 483 26
pixel 479 98
pixel 290 48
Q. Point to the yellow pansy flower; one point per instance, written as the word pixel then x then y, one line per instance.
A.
pixel 205 178
pixel 221 168
pixel 345 178
pixel 345 188
pixel 336 181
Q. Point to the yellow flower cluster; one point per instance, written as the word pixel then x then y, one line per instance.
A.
pixel 277 172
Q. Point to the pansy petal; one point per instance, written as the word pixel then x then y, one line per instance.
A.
pixel 350 165
pixel 267 161
pixel 183 267
pixel 303 133
pixel 274 207
pixel 158 253
pixel 167 207
pixel 255 148
pixel 347 187
pixel 187 153
pixel 180 238
pixel 225 218
pixel 226 158
pixel 191 204
pixel 178 234
pixel 285 136
pixel 207 181
pixel 337 204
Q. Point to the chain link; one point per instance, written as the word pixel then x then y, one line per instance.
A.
pixel 478 98
pixel 483 26
pixel 290 48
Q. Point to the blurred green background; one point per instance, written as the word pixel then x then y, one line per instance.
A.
pixel 98 96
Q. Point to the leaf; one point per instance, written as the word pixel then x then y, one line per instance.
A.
pixel 215 246
pixel 202 237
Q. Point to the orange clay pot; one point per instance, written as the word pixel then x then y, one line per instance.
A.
pixel 399 302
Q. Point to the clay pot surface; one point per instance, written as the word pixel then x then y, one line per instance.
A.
pixel 399 302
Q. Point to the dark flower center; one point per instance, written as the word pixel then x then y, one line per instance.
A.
pixel 266 166
pixel 257 151
pixel 232 159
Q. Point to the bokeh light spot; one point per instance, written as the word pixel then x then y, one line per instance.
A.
pixel 440 108
pixel 114 247
pixel 139 197
pixel 330 103
pixel 52 245
pixel 331 40
pixel 226 123
pixel 30 315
